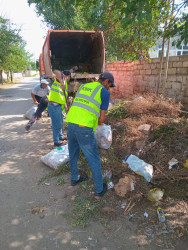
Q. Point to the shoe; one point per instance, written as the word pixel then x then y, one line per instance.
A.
pixel 58 144
pixel 101 194
pixel 63 139
pixel 27 127
pixel 74 183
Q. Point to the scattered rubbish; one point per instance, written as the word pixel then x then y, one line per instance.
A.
pixel 172 162
pixel 107 174
pixel 56 157
pixel 155 194
pixel 103 135
pixel 146 215
pixel 124 185
pixel 30 112
pixel 47 184
pixel 37 210
pixel 123 205
pixel 110 185
pixel 161 215
pixel 90 238
pixel 129 207
pixel 186 163
pixel 139 166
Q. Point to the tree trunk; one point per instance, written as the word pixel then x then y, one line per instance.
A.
pixel 11 77
pixel 1 76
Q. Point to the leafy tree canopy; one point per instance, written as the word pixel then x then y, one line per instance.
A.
pixel 130 26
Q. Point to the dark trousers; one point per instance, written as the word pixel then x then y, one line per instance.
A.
pixel 41 107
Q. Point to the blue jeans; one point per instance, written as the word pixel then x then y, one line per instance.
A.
pixel 56 115
pixel 83 138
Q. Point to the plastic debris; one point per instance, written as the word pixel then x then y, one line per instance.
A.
pixel 155 194
pixel 186 163
pixel 107 174
pixel 56 157
pixel 123 205
pixel 172 162
pixel 139 166
pixel 103 135
pixel 110 185
pixel 146 215
pixel 161 215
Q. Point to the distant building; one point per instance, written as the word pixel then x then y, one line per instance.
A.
pixel 156 51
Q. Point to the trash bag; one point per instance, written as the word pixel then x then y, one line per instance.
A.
pixel 103 135
pixel 139 166
pixel 56 157
pixel 30 112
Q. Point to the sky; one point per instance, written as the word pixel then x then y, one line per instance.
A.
pixel 33 31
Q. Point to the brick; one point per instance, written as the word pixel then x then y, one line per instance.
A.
pixel 172 71
pixel 174 58
pixel 177 64
pixel 142 71
pixel 184 58
pixel 176 85
pixel 155 71
pixel 185 64
pixel 155 60
pixel 182 71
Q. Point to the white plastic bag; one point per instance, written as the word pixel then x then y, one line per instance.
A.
pixel 103 135
pixel 139 166
pixel 56 157
pixel 30 112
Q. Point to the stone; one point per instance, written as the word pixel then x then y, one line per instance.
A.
pixel 145 128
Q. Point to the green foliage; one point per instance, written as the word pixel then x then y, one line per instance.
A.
pixel 85 209
pixel 13 57
pixel 60 171
pixel 118 111
pixel 60 181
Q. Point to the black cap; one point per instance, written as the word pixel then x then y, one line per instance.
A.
pixel 67 72
pixel 109 76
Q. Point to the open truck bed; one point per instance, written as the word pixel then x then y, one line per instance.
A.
pixel 82 52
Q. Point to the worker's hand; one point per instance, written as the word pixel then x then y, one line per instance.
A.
pixel 36 103
pixel 63 86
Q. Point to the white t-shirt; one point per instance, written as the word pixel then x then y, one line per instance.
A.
pixel 37 90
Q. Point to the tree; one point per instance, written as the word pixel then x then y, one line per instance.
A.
pixel 13 56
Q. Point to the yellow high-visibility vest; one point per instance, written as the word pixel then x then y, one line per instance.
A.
pixel 85 109
pixel 57 94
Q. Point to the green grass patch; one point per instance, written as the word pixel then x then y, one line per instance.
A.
pixel 60 181
pixel 85 210
pixel 60 171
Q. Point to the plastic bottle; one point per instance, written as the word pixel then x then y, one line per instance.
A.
pixel 160 214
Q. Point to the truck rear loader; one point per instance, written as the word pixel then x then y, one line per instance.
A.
pixel 81 52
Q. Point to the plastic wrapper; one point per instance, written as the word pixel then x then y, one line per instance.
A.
pixel 30 112
pixel 103 135
pixel 139 166
pixel 56 157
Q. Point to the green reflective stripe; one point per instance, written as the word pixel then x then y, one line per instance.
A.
pixel 58 91
pixel 81 105
pixel 88 98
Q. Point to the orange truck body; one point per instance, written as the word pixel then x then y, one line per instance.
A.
pixel 82 52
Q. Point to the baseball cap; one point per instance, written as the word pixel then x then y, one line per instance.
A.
pixel 44 81
pixel 67 72
pixel 109 76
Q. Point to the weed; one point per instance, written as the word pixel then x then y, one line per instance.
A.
pixel 60 171
pixel 60 181
pixel 118 111
pixel 85 209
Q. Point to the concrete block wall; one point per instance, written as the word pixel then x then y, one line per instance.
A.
pixel 143 76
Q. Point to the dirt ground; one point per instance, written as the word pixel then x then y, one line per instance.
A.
pixel 50 215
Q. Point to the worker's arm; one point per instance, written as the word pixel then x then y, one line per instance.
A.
pixel 102 117
pixel 58 76
pixel 34 99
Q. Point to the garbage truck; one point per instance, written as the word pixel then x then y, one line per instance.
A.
pixel 81 52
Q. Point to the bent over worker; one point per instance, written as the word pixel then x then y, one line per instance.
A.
pixel 87 111
pixel 57 100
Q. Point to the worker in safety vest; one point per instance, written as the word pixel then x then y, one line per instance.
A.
pixel 87 111
pixel 57 101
